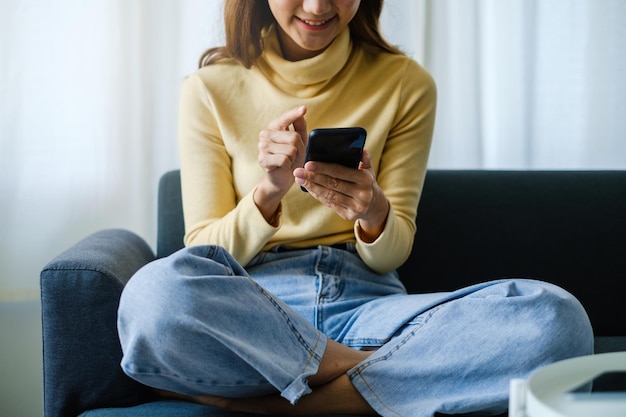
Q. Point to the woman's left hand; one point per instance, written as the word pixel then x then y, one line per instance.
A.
pixel 353 193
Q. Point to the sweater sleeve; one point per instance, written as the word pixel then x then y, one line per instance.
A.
pixel 211 210
pixel 402 170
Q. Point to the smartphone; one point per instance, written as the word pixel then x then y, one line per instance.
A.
pixel 605 384
pixel 342 145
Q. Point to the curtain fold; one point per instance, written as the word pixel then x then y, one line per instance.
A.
pixel 528 84
pixel 88 120
pixel 89 98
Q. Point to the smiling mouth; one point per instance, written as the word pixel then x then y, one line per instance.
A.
pixel 316 23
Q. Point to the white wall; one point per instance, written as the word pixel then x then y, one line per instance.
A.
pixel 21 375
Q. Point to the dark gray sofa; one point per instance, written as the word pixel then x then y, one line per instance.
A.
pixel 565 227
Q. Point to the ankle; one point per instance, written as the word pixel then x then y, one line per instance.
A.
pixel 337 360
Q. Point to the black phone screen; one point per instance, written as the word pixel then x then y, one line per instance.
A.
pixel 342 145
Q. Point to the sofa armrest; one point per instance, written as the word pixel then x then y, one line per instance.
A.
pixel 80 292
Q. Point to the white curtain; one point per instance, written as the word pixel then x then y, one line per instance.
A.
pixel 528 84
pixel 88 113
pixel 89 96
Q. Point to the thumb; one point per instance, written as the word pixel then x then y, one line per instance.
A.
pixel 366 160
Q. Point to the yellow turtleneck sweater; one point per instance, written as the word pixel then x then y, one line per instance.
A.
pixel 224 106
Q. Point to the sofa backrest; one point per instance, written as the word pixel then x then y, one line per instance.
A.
pixel 565 227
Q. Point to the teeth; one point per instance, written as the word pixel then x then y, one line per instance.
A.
pixel 308 22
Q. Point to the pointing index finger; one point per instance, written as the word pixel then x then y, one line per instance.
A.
pixel 291 117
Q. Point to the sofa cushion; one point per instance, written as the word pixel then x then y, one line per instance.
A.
pixel 160 409
pixel 166 408
pixel 175 409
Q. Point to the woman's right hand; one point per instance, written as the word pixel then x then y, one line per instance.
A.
pixel 281 150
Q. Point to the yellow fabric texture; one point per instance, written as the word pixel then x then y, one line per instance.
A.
pixel 224 106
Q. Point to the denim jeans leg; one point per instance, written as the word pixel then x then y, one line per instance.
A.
pixel 459 356
pixel 195 323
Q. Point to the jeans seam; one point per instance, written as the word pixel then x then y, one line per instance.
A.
pixel 420 320
pixel 369 387
pixel 289 323
pixel 312 353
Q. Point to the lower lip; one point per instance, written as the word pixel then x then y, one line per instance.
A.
pixel 316 28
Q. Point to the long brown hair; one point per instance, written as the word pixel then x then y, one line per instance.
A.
pixel 245 19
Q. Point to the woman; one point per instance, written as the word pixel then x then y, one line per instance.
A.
pixel 286 302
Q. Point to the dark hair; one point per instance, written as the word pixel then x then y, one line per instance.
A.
pixel 245 19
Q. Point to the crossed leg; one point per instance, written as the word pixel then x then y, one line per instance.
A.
pixel 332 393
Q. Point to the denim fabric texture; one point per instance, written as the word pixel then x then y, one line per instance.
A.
pixel 197 322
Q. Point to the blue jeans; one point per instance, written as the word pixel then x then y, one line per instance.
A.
pixel 198 323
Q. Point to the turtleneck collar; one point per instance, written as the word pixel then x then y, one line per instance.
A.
pixel 306 77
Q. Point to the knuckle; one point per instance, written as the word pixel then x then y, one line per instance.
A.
pixel 292 153
pixel 264 135
pixel 331 196
pixel 285 160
